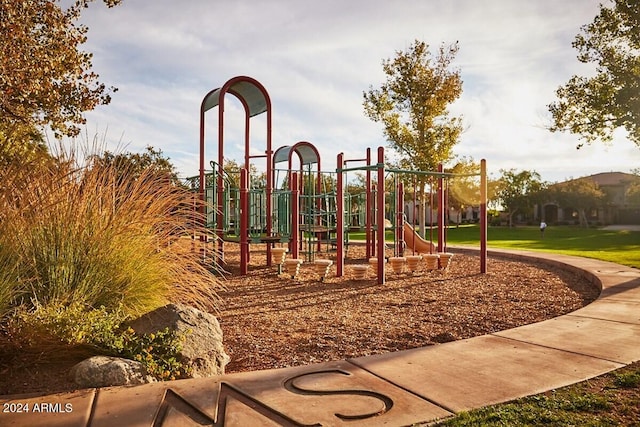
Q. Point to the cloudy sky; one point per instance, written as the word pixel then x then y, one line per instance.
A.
pixel 315 58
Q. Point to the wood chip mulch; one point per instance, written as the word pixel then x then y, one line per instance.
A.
pixel 274 321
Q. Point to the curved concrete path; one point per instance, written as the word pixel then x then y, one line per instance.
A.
pixel 394 389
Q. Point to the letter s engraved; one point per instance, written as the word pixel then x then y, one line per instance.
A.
pixel 293 388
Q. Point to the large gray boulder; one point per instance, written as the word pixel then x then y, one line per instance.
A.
pixel 202 349
pixel 106 371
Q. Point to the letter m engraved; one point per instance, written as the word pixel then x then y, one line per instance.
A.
pixel 172 400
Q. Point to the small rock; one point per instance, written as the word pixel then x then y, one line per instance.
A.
pixel 202 349
pixel 105 371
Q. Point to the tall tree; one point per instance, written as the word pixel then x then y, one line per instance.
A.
pixel 45 79
pixel 133 165
pixel 412 104
pixel 632 194
pixel 580 194
pixel 594 107
pixel 519 191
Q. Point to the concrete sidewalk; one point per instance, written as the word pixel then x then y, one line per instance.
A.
pixel 394 389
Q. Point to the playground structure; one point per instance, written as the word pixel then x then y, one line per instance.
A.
pixel 307 209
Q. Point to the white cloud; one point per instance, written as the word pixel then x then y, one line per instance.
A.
pixel 316 59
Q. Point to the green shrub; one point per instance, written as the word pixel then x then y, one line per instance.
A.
pixel 157 352
pixel 627 379
pixel 55 328
pixel 95 236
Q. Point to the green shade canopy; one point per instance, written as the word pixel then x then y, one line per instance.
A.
pixel 308 155
pixel 246 91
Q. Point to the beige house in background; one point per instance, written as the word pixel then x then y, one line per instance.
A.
pixel 617 210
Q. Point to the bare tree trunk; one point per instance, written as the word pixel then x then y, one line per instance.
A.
pixel 583 218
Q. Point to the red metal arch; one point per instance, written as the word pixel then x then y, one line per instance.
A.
pixel 299 148
pixel 255 100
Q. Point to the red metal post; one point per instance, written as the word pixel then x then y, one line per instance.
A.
pixel 483 216
pixel 380 219
pixel 270 178
pixel 369 211
pixel 219 179
pixel 399 222
pixel 244 221
pixel 430 214
pixel 413 212
pixel 445 198
pixel 374 203
pixel 340 216
pixel 319 206
pixel 247 166
pixel 295 215
pixel 301 193
pixel 441 209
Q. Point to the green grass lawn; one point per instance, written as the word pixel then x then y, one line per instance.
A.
pixel 622 247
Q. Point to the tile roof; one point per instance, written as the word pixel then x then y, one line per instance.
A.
pixel 610 178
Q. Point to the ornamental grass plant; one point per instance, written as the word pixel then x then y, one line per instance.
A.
pixel 95 235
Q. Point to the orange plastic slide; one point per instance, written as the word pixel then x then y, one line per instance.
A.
pixel 421 246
